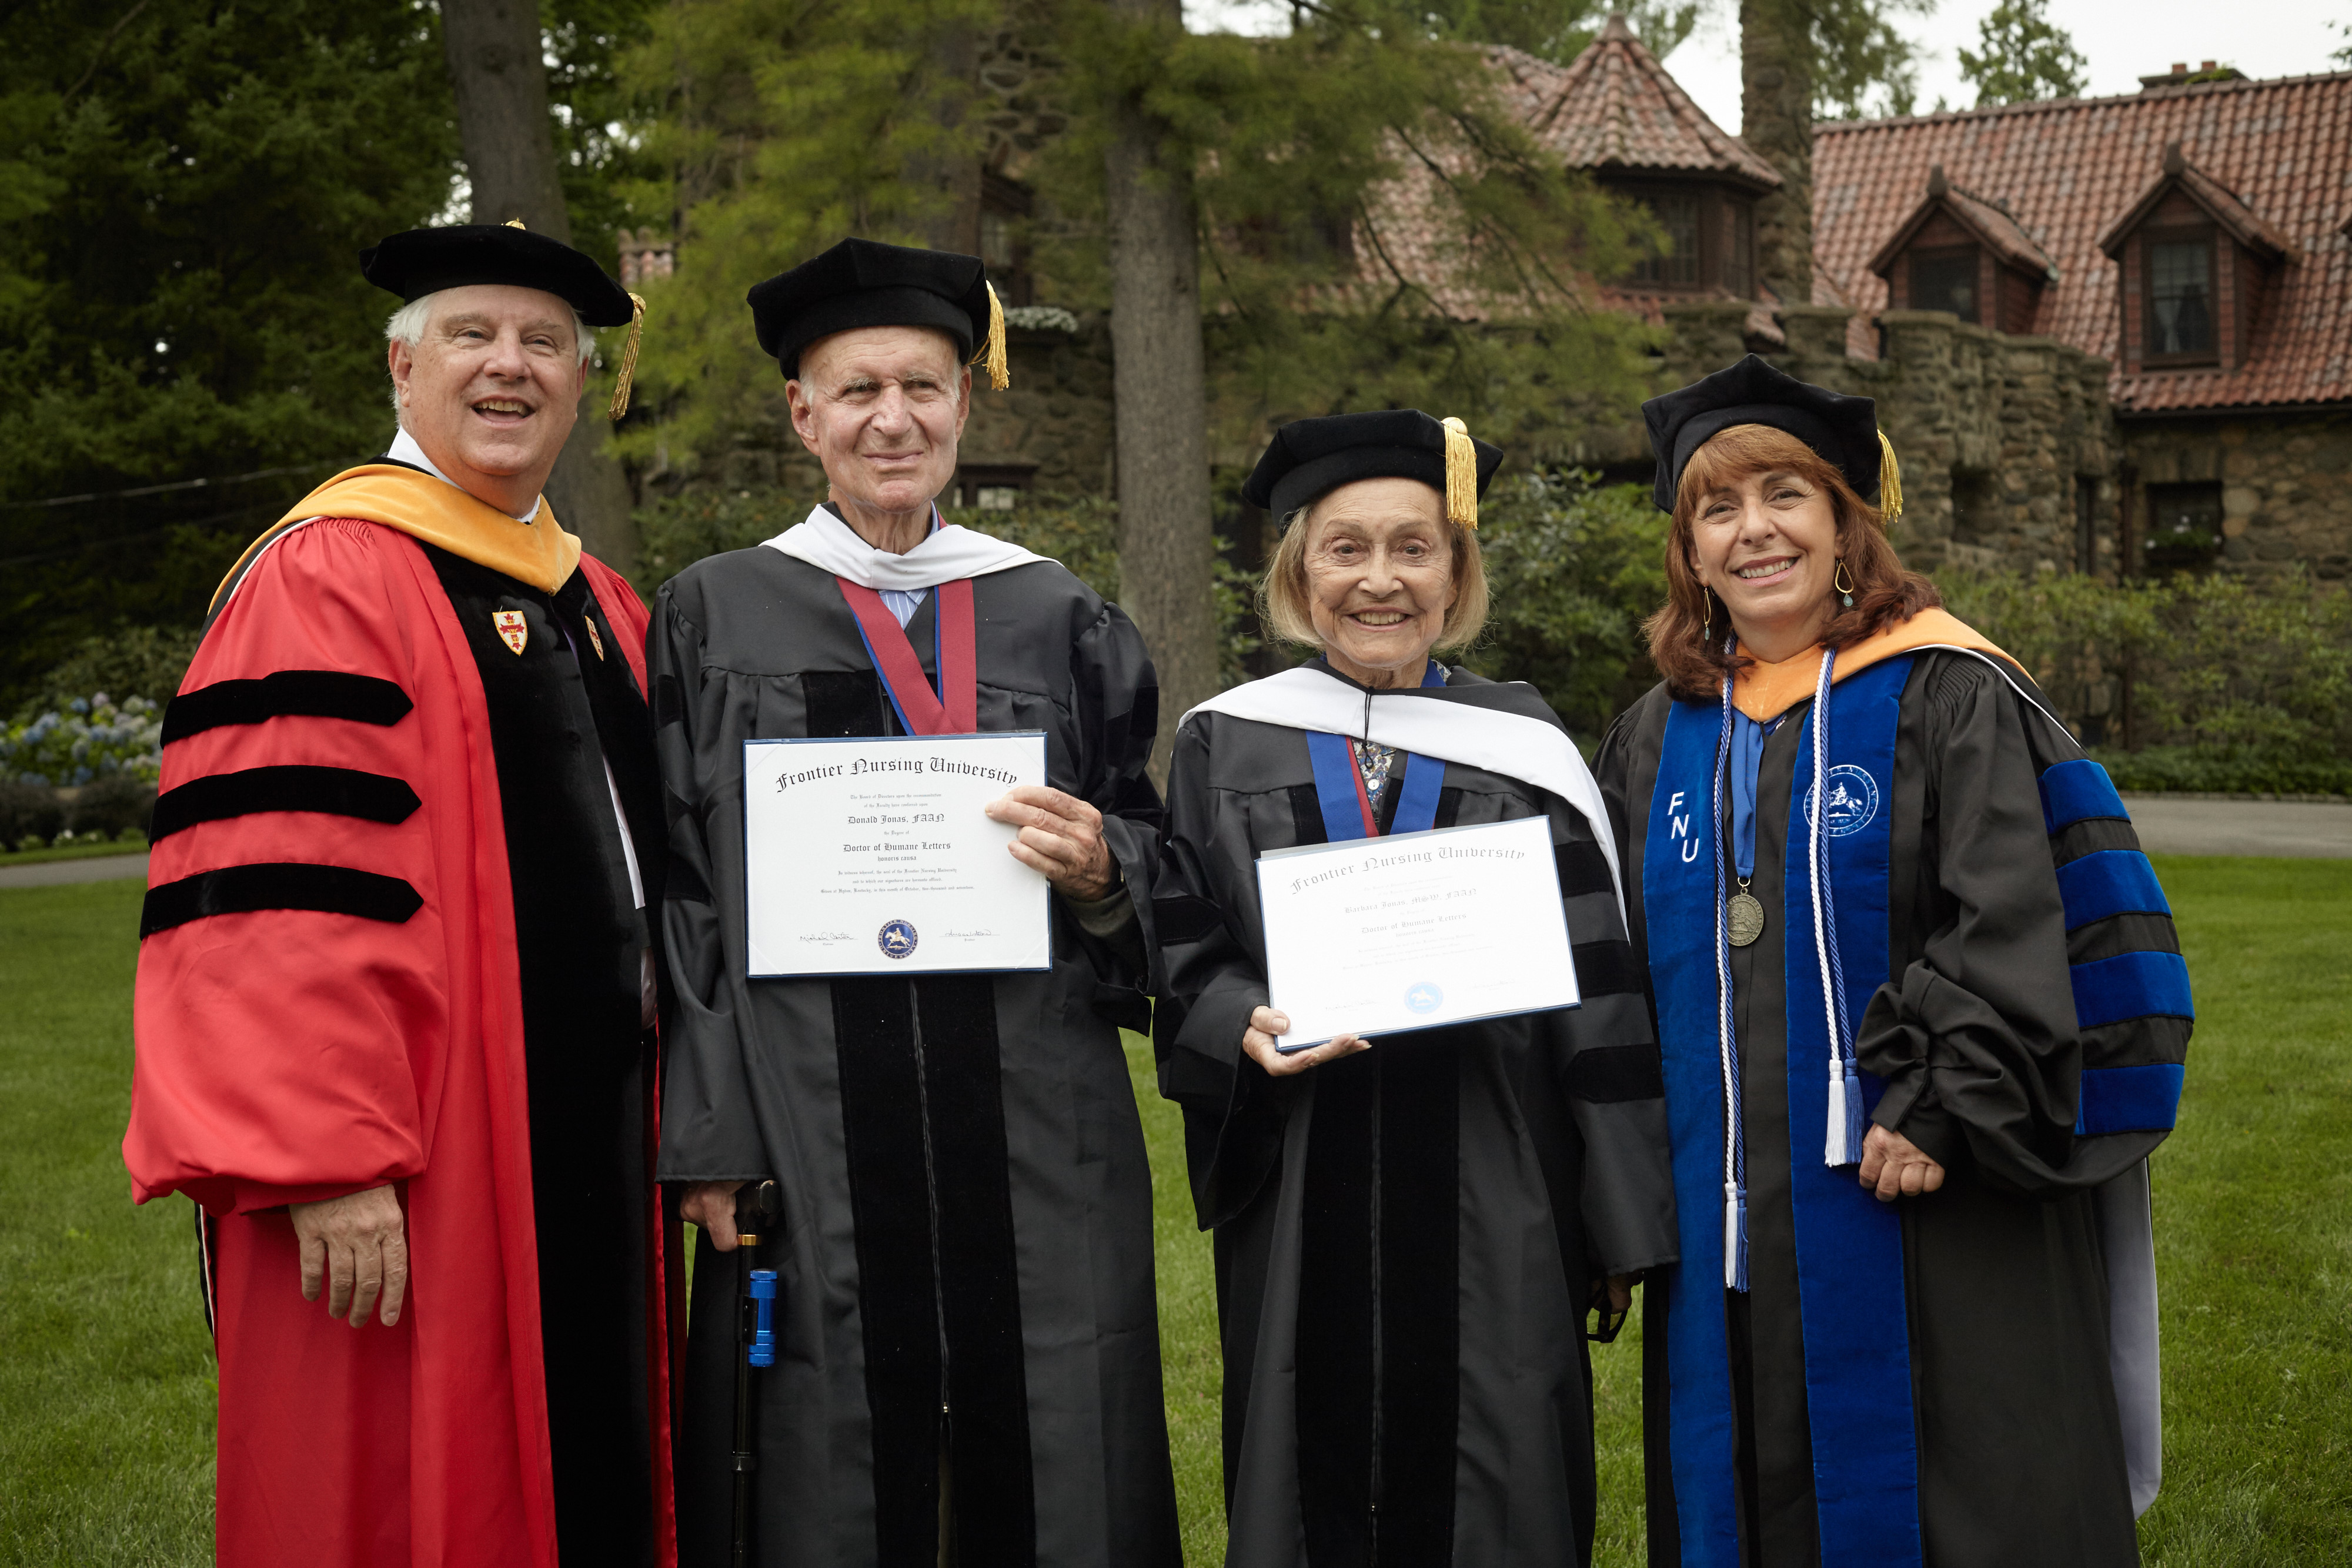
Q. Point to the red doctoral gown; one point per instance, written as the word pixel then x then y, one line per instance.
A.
pixel 330 998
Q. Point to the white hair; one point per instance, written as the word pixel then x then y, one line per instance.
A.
pixel 407 326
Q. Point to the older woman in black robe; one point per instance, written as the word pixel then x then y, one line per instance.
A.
pixel 1408 1232
pixel 1913 1317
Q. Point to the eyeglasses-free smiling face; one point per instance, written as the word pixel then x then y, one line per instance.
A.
pixel 1767 543
pixel 1379 578
pixel 493 388
pixel 882 408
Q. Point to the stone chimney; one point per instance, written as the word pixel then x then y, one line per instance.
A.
pixel 2181 76
pixel 1776 120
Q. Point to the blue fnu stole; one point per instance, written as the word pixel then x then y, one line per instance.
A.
pixel 1849 1246
pixel 1339 785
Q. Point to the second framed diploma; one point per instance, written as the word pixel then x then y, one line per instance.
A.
pixel 1377 936
pixel 874 856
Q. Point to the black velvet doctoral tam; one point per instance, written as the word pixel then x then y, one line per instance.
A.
pixel 865 283
pixel 1843 430
pixel 1309 458
pixel 418 262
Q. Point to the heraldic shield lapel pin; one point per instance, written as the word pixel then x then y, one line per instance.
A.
pixel 513 630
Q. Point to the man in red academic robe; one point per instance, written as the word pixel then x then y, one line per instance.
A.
pixel 396 984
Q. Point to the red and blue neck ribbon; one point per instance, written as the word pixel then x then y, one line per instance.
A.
pixel 1339 785
pixel 954 707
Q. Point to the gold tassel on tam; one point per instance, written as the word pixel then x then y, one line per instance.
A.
pixel 516 224
pixel 1461 475
pixel 991 353
pixel 629 357
pixel 1890 482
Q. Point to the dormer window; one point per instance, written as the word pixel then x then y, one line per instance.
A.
pixel 1945 280
pixel 2196 264
pixel 1965 253
pixel 2181 297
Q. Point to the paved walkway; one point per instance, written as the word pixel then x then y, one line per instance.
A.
pixel 2303 830
pixel 97 868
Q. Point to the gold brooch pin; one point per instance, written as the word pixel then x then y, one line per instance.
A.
pixel 594 641
pixel 513 630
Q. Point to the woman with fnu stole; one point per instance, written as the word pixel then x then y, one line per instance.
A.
pixel 1408 1232
pixel 1924 1016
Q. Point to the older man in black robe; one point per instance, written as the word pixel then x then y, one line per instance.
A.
pixel 968 1348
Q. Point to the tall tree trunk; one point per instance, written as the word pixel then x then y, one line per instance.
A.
pixel 1167 542
pixel 954 172
pixel 1776 119
pixel 500 78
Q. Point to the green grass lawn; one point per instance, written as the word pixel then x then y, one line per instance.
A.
pixel 106 1381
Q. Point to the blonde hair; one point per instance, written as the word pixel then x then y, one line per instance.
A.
pixel 1283 596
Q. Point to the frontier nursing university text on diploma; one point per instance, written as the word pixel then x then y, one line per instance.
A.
pixel 875 856
pixel 1377 936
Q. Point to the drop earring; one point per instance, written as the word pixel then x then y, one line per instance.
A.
pixel 1846 587
pixel 1706 601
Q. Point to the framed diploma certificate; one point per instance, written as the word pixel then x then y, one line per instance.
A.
pixel 875 856
pixel 1377 936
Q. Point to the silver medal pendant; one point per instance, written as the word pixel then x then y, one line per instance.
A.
pixel 1744 917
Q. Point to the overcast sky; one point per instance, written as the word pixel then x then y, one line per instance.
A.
pixel 2123 39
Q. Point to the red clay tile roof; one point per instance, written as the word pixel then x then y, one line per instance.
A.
pixel 2068 170
pixel 2218 200
pixel 1615 107
pixel 1988 221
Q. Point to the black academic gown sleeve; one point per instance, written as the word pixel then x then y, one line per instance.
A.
pixel 707 1115
pixel 1976 1035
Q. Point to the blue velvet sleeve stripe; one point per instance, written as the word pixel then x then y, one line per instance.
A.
pixel 2073 790
pixel 2144 1099
pixel 2131 985
pixel 2110 882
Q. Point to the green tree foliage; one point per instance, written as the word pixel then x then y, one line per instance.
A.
pixel 783 128
pixel 185 187
pixel 2023 56
pixel 777 128
pixel 1861 64
pixel 2222 683
pixel 601 160
pixel 1574 568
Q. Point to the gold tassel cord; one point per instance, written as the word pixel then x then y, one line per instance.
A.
pixel 516 224
pixel 629 357
pixel 993 355
pixel 1890 481
pixel 1461 475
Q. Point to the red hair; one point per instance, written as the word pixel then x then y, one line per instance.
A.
pixel 1686 652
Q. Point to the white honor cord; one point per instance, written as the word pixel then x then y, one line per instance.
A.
pixel 1842 1139
pixel 1816 802
pixel 1735 1176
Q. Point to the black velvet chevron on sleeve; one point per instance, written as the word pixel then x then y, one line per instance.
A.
pixel 1607 1074
pixel 1185 917
pixel 242 888
pixel 1605 968
pixel 1584 868
pixel 334 791
pixel 318 693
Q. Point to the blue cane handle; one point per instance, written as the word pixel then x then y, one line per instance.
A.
pixel 764 1332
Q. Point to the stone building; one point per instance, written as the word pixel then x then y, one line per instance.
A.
pixel 2193 236
pixel 2108 335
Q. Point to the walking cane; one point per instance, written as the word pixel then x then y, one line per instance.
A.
pixel 757 1205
